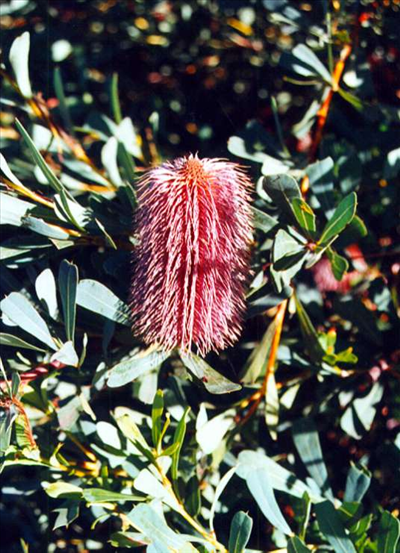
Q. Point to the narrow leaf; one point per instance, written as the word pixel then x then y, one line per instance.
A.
pixel 331 526
pixel 19 59
pixel 68 282
pixel 341 217
pixel 17 308
pixel 96 297
pixel 240 532
pixel 306 440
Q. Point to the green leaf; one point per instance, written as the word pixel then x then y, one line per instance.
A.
pixel 45 286
pixel 67 355
pixel 68 282
pixel 179 436
pixel 339 264
pixel 98 495
pixel 50 176
pixel 67 513
pixel 218 492
pixel 258 482
pixel 131 431
pixel 282 189
pixel 306 440
pixel 115 105
pixel 272 406
pixel 19 60
pixel 352 99
pixel 310 64
pixel 15 342
pixel 209 435
pixel 59 90
pixel 305 515
pixel 281 478
pixel 156 414
pixel 342 216
pixel 357 483
pixel 332 528
pixel 287 251
pixel 295 545
pixel 63 489
pixel 259 356
pixel 360 414
pixel 128 370
pixel 305 216
pixel 213 381
pixel 13 210
pixel 109 161
pixel 43 228
pixel 17 308
pixel 240 532
pixel 388 533
pixel 311 342
pixel 263 221
pixel 145 519
pixel 96 297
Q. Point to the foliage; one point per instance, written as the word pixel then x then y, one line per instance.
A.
pixel 290 439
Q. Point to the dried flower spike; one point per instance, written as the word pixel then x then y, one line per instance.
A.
pixel 192 260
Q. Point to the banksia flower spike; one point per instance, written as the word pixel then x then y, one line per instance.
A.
pixel 191 264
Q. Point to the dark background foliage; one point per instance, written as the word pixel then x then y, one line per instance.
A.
pixel 221 79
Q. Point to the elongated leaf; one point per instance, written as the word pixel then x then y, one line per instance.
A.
pixel 109 160
pixel 45 229
pixel 341 217
pixel 179 436
pixel 99 495
pixel 213 381
pixel 48 173
pixel 339 264
pixel 312 344
pixel 68 283
pixel 282 189
pixel 259 357
pixel 67 513
pixel 154 527
pixel 388 533
pixel 295 545
pixel 305 216
pixel 45 286
pixel 263 221
pixel 286 251
pixel 332 528
pixel 17 308
pixel 63 489
pixel 357 483
pixel 306 440
pixel 19 58
pixel 240 532
pixel 130 369
pixel 128 427
pixel 13 210
pixel 218 492
pixel 272 406
pixel 59 90
pixel 281 478
pixel 96 297
pixel 15 342
pixel 210 435
pixel 310 63
pixel 114 98
pixel 156 414
pixel 258 482
pixel 66 355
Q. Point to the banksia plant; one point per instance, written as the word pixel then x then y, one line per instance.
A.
pixel 191 263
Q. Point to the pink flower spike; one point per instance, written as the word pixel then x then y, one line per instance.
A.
pixel 191 265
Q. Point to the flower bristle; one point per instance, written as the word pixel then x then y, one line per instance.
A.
pixel 191 265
